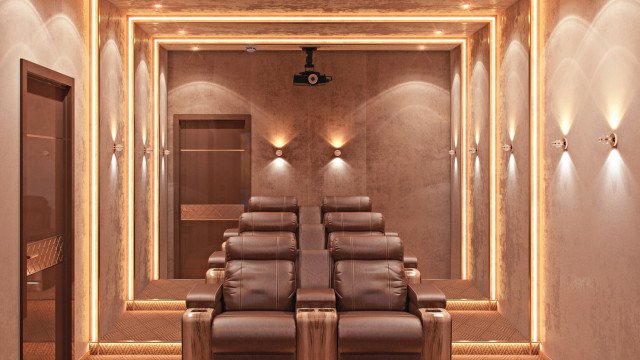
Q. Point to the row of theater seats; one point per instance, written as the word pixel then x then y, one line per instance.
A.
pixel 314 227
pixel 270 297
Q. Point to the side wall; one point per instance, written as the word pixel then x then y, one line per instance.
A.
pixel 388 111
pixel 113 165
pixel 54 34
pixel 143 163
pixel 513 272
pixel 590 249
pixel 478 129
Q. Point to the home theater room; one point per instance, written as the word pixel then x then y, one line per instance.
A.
pixel 338 180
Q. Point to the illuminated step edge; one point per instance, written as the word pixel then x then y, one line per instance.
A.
pixel 175 348
pixel 136 348
pixel 495 348
pixel 472 305
pixel 156 305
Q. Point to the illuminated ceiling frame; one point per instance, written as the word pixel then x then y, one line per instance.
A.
pixel 94 174
pixel 345 41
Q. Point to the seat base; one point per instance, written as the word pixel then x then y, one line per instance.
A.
pixel 253 333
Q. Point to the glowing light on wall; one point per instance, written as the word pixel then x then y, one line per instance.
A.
pixel 464 158
pixel 493 182
pixel 130 165
pixel 536 170
pixel 156 161
pixel 314 19
pixel 95 118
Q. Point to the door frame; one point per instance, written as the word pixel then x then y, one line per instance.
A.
pixel 177 118
pixel 65 311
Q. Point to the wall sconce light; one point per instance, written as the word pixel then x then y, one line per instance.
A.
pixel 147 151
pixel 611 139
pixel 337 153
pixel 166 152
pixel 452 152
pixel 279 152
pixel 561 144
pixel 473 151
pixel 118 148
pixel 507 148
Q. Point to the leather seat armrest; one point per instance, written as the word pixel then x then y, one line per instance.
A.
pixel 230 233
pixel 410 261
pixel 217 260
pixel 205 296
pixel 312 237
pixel 392 233
pixel 315 298
pixel 426 295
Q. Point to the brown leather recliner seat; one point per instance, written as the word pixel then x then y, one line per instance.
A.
pixel 378 313
pixel 267 204
pixel 253 308
pixel 258 225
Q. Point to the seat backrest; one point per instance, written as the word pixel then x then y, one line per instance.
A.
pixel 260 274
pixel 368 273
pixel 346 204
pixel 268 221
pixel 354 221
pixel 273 204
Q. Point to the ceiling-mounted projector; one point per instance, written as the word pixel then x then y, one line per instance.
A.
pixel 310 77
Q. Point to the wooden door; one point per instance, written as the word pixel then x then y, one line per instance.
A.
pixel 212 185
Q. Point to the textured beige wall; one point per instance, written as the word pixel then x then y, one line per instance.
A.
pixel 113 120
pixel 590 253
pixel 391 111
pixel 513 279
pixel 456 165
pixel 143 171
pixel 54 34
pixel 478 128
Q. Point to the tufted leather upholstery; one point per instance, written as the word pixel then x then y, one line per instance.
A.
pixel 368 273
pixel 260 274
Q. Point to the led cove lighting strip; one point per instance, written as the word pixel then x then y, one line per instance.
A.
pixel 95 118
pixel 464 153
pixel 156 161
pixel 536 170
pixel 493 214
pixel 130 165
pixel 313 19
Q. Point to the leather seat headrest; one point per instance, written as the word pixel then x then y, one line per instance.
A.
pixel 273 204
pixel 268 221
pixel 261 248
pixel 346 204
pixel 376 247
pixel 353 221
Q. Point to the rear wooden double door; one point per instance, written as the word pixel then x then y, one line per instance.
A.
pixel 212 185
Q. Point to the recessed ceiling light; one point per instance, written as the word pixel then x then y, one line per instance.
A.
pixel 421 47
pixel 250 48
pixel 182 32
pixel 466 6
pixel 157 6
pixel 195 48
pixel 438 32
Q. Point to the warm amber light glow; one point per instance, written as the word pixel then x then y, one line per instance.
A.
pixel 493 181
pixel 464 156
pixel 130 165
pixel 536 169
pixel 313 19
pixel 156 161
pixel 95 119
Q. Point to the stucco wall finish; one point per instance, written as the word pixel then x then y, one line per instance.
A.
pixel 590 250
pixel 513 279
pixel 113 115
pixel 479 123
pixel 389 112
pixel 54 34
pixel 143 170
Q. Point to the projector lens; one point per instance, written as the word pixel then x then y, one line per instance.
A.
pixel 313 79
